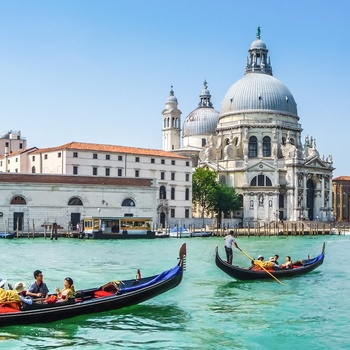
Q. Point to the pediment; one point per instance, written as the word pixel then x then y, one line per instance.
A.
pixel 261 166
pixel 315 162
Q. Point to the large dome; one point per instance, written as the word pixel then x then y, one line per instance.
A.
pixel 203 120
pixel 257 92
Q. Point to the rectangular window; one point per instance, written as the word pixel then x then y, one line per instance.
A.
pixel 187 163
pixel 120 172
pixel 120 157
pixel 173 162
pixel 152 160
pixel 173 176
pixel 1 163
pixel 172 213
pixel 8 162
pixel 6 144
pixel 16 160
pixel 16 170
pixel 204 142
pixel 137 159
pixel 187 213
pixel 108 157
pixel 107 171
pixel 59 154
pixel 162 175
pixel 21 146
pixel 187 177
pixel 94 171
pixel 45 156
pixel 33 158
pixel 162 161
pixel 137 173
pixel 94 156
pixel 75 170
pixel 75 154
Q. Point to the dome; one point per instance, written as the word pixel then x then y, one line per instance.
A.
pixel 257 92
pixel 203 120
pixel 258 44
pixel 171 99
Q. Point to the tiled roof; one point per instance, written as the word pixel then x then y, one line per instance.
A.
pixel 80 146
pixel 74 180
pixel 341 178
pixel 27 150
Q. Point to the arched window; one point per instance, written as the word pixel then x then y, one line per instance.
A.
pixel 172 193
pixel 128 202
pixel 18 200
pixel 253 147
pixel 266 147
pixel 162 192
pixel 75 201
pixel 33 169
pixel 173 123
pixel 261 180
pixel 165 123
pixel 177 122
pixel 187 194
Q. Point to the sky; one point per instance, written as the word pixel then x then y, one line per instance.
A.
pixel 100 71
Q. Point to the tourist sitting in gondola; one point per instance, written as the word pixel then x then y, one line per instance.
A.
pixel 67 292
pixel 287 264
pixel 260 264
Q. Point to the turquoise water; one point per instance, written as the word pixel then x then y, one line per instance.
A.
pixel 209 310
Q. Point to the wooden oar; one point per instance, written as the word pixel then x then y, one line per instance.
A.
pixel 260 264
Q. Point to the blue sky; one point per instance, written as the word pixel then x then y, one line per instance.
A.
pixel 100 71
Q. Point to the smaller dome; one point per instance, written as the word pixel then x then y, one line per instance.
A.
pixel 201 121
pixel 258 44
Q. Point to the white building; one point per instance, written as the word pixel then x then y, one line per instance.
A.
pixel 171 172
pixel 39 199
pixel 255 146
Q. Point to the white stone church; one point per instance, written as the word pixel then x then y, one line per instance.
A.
pixel 255 144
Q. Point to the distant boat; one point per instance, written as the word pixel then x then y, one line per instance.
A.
pixel 201 234
pixel 179 231
pixel 7 235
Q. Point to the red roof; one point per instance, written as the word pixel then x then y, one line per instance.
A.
pixel 80 146
pixel 341 178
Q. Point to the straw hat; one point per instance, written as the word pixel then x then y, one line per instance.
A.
pixel 20 287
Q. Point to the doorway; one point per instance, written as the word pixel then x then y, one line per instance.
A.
pixel 74 219
pixel 162 217
pixel 310 198
pixel 18 221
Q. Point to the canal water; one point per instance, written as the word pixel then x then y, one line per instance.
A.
pixel 209 310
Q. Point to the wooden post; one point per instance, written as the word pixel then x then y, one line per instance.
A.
pixel 33 228
pixel 44 230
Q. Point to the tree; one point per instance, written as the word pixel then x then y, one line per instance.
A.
pixel 204 190
pixel 226 200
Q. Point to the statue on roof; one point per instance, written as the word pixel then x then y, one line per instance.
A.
pixel 258 33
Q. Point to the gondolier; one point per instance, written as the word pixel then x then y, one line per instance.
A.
pixel 229 242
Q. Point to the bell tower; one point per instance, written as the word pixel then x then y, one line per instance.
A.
pixel 171 123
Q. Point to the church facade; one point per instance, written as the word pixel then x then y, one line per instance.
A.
pixel 255 145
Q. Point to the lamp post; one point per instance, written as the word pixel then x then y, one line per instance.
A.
pixel 99 217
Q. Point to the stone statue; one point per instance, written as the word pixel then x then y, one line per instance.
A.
pixel 261 200
pixel 258 33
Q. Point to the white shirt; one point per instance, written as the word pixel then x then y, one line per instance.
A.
pixel 229 240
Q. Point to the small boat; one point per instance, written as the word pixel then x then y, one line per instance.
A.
pixel 179 232
pixel 201 234
pixel 113 295
pixel 246 274
pixel 162 234
pixel 7 235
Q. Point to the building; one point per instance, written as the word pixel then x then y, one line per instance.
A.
pixel 42 199
pixel 255 144
pixel 12 142
pixel 341 198
pixel 171 172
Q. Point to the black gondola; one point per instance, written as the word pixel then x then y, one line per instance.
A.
pixel 100 299
pixel 246 274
